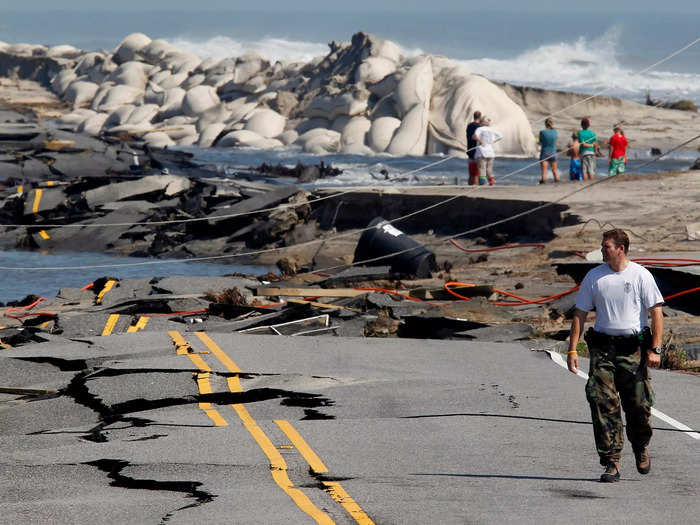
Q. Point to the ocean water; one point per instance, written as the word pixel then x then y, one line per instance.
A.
pixel 16 284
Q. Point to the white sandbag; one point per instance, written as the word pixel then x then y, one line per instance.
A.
pixel 119 116
pixel 205 65
pixel 266 123
pixel 382 131
pixel 24 49
pixel 178 132
pixel 88 61
pixel 62 51
pixel 219 113
pixel 92 125
pixel 245 138
pixel 415 87
pixel 74 118
pixel 172 102
pixel 356 149
pixel 100 95
pixel 288 137
pixel 156 50
pixel 330 107
pixel 80 92
pixel 144 113
pixel 154 94
pixel 158 139
pixel 159 77
pixel 62 80
pixel 457 94
pixel 180 62
pixel 355 131
pixel 173 80
pixel 118 96
pixel 199 99
pixel 193 81
pixel 247 67
pixel 374 69
pixel 388 50
pixel 128 49
pixel 217 81
pixel 340 123
pixel 130 74
pixel 411 137
pixel 208 134
pixel 315 140
pixel 241 112
pixel 257 84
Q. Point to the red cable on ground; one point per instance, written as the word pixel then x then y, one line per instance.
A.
pixel 172 314
pixel 681 293
pixel 503 247
pixel 88 286
pixel 522 300
pixel 9 311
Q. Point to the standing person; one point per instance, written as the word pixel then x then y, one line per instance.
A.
pixel 621 348
pixel 575 163
pixel 548 152
pixel 589 146
pixel 485 136
pixel 617 157
pixel 471 148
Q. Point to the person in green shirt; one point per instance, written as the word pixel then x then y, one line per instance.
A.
pixel 588 150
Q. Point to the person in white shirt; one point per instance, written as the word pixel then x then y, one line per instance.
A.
pixel 485 136
pixel 621 348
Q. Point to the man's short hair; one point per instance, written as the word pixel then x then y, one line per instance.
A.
pixel 477 115
pixel 585 123
pixel 619 237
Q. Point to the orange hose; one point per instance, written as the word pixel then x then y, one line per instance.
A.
pixel 681 293
pixel 522 300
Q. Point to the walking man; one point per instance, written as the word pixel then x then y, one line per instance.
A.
pixel 621 347
pixel 486 136
pixel 471 149
pixel 588 149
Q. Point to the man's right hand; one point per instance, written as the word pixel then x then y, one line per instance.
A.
pixel 572 361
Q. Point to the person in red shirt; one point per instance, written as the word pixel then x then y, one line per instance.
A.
pixel 618 152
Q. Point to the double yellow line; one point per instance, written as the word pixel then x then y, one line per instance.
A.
pixel 278 466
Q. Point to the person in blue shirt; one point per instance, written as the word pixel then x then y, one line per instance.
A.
pixel 548 152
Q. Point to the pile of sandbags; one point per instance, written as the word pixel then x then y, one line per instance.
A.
pixel 363 97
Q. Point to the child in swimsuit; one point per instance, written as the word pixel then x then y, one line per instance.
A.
pixel 575 164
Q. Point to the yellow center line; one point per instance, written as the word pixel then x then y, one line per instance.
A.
pixel 203 384
pixel 111 323
pixel 278 466
pixel 140 325
pixel 44 235
pixel 37 198
pixel 338 493
pixel 108 286
pixel 302 446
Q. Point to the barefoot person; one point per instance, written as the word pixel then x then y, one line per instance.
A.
pixel 486 136
pixel 621 347
pixel 471 149
pixel 617 157
pixel 548 151
pixel 575 162
pixel 589 148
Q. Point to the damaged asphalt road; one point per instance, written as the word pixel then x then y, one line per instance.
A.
pixel 205 427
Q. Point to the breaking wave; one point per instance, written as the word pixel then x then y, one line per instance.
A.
pixel 587 66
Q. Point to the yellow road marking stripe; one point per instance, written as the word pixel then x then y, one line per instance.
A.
pixel 182 346
pixel 278 468
pixel 338 493
pixel 204 387
pixel 44 235
pixel 108 286
pixel 20 189
pixel 111 323
pixel 140 325
pixel 37 198
pixel 218 352
pixel 50 182
pixel 203 384
pixel 302 446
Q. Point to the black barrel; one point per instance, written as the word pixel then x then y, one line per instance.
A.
pixel 383 239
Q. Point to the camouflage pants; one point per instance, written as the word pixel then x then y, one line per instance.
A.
pixel 618 369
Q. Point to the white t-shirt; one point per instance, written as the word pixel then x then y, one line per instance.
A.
pixel 488 136
pixel 621 299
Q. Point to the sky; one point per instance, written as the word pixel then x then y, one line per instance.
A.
pixel 636 6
